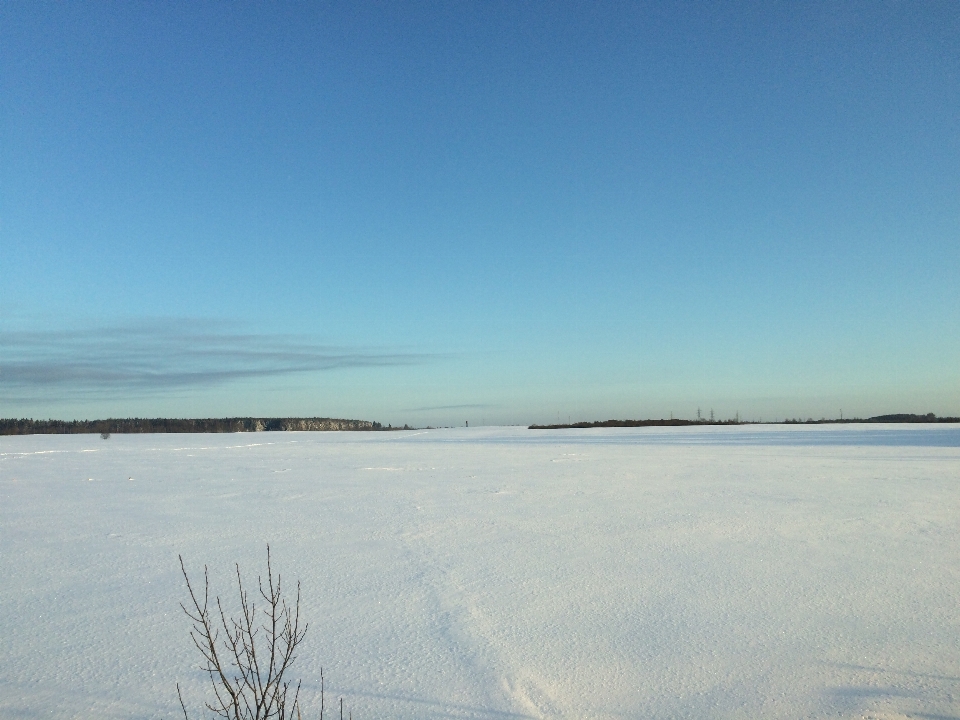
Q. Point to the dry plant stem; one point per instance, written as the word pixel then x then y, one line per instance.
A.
pixel 245 659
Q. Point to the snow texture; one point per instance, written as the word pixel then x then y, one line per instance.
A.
pixel 502 573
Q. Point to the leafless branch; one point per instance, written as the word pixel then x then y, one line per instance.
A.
pixel 247 658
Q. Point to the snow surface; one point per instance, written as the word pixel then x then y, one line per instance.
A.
pixel 734 572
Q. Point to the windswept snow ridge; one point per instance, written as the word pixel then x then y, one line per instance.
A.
pixel 735 572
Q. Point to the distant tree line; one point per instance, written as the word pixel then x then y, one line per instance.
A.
pixel 896 418
pixel 25 426
pixel 630 423
pixel 673 422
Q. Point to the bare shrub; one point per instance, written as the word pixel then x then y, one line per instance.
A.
pixel 247 658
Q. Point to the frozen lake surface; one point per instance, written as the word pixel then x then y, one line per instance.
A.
pixel 502 573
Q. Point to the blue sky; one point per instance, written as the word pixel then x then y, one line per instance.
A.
pixel 498 212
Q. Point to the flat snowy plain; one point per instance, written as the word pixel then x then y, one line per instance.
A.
pixel 720 572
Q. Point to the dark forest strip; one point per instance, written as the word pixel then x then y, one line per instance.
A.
pixel 25 426
pixel 897 418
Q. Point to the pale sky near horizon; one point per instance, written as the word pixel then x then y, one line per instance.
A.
pixel 497 212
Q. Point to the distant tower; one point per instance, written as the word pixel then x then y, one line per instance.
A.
pixel 467 423
pixel 711 414
pixel 698 415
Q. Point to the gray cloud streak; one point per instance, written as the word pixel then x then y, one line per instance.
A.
pixel 165 355
pixel 450 407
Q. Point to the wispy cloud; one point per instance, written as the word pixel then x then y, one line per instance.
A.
pixel 450 407
pixel 156 356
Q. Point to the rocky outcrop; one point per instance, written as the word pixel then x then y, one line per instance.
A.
pixel 315 424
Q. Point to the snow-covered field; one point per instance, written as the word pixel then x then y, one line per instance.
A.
pixel 741 572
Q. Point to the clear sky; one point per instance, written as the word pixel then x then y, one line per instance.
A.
pixel 502 212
